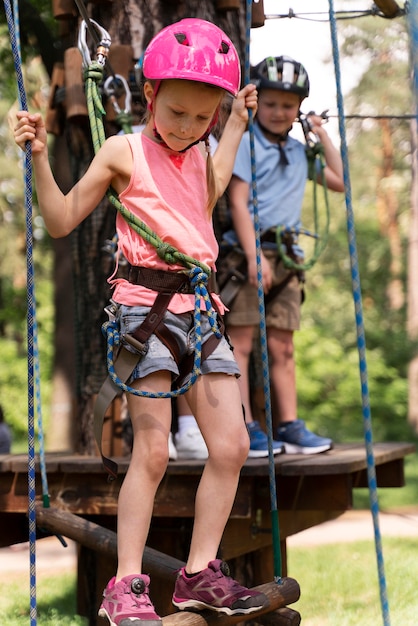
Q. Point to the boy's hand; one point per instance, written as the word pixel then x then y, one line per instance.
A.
pixel 246 99
pixel 30 127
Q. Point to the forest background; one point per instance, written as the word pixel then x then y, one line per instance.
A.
pixel 382 151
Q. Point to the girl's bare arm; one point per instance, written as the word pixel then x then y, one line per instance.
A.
pixel 224 157
pixel 63 212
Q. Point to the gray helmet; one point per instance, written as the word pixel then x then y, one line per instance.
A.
pixel 282 73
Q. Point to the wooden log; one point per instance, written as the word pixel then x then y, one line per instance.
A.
pixel 93 536
pixel 280 594
pixel 281 617
pixel 101 539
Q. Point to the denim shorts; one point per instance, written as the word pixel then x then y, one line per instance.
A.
pixel 158 357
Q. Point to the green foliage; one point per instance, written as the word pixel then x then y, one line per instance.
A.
pixel 394 498
pixel 329 386
pixel 14 362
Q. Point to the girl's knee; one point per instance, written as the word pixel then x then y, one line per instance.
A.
pixel 153 458
pixel 232 452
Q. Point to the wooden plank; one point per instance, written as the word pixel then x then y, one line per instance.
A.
pixel 344 459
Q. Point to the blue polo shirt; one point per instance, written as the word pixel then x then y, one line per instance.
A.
pixel 280 188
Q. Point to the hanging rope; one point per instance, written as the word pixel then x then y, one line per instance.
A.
pixel 361 341
pixel 316 166
pixel 30 325
pixel 277 558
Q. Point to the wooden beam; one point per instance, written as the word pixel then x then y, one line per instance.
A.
pixel 101 539
pixel 390 8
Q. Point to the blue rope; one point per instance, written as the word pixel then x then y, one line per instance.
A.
pixel 277 559
pixel 198 280
pixel 30 325
pixel 361 341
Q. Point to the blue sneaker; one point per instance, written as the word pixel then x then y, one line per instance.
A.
pixel 259 446
pixel 297 439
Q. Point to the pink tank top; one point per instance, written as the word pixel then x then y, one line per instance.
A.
pixel 168 192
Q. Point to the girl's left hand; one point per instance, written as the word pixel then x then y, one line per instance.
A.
pixel 247 98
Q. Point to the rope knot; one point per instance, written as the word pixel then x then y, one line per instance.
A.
pixel 94 71
pixel 166 251
pixel 198 277
pixel 110 329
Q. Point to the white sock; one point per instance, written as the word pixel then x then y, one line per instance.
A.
pixel 187 422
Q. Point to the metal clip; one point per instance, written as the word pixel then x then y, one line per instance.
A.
pixel 310 137
pixel 111 311
pixel 112 86
pixel 102 46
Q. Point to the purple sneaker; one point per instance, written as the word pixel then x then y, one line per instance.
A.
pixel 127 602
pixel 213 588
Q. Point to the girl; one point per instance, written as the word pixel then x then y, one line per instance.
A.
pixel 161 177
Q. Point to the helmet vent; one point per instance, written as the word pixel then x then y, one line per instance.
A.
pixel 224 48
pixel 182 39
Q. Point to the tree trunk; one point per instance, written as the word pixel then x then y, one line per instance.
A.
pixel 412 322
pixel 387 211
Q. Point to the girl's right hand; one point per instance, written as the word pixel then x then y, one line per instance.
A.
pixel 30 127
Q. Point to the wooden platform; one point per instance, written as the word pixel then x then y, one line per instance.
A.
pixel 310 490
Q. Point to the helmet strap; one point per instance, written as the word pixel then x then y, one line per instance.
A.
pixel 281 137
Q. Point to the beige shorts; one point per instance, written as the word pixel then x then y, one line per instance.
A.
pixel 282 311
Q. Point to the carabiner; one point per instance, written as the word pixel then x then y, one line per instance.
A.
pixel 110 88
pixel 103 44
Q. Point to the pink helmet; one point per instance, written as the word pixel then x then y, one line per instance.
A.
pixel 193 49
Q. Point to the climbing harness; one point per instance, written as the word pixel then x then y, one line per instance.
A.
pixel 284 237
pixel 194 279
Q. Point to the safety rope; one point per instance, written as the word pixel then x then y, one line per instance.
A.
pixel 277 558
pixel 316 167
pixel 361 341
pixel 197 271
pixel 30 323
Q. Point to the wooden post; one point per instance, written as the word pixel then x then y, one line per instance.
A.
pixel 389 7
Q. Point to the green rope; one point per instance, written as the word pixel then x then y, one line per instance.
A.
pixel 93 76
pixel 315 154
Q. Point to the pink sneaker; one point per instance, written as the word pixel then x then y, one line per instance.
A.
pixel 127 602
pixel 214 589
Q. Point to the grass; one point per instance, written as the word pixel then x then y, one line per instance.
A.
pixel 55 601
pixel 344 590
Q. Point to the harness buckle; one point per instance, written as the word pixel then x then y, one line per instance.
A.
pixel 140 347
